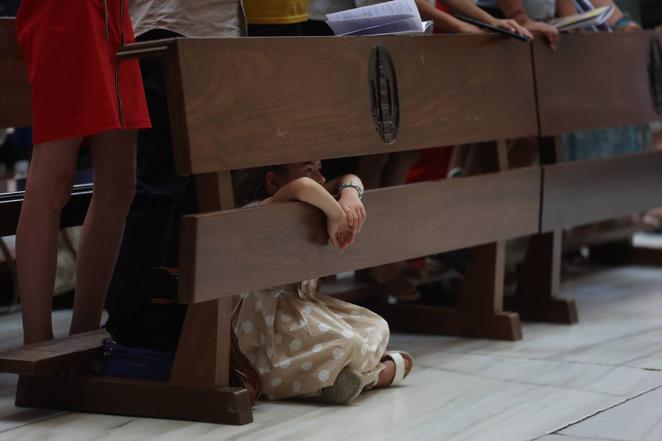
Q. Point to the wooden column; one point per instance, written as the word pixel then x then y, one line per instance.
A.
pixel 203 353
pixel 537 292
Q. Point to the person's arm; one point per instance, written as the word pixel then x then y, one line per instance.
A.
pixel 515 9
pixel 444 21
pixel 470 9
pixel 307 190
pixel 565 8
pixel 618 18
pixel 350 191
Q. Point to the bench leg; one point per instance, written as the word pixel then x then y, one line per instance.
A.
pixel 479 311
pixel 139 398
pixel 537 292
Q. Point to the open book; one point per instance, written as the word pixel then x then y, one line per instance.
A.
pixel 594 17
pixel 394 17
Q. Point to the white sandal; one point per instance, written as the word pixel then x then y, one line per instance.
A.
pixel 401 371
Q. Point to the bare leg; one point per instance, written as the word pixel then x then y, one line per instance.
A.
pixel 114 159
pixel 50 178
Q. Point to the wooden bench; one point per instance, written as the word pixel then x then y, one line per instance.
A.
pixel 592 81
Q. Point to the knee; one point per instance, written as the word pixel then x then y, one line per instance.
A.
pixel 50 190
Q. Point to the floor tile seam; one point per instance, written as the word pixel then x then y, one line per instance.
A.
pixel 526 383
pixel 628 335
pixel 501 357
pixel 604 410
pixel 566 436
pixel 37 420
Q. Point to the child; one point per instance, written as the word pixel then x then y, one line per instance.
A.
pixel 303 343
pixel 79 89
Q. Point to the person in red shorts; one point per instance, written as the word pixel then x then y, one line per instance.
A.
pixel 79 90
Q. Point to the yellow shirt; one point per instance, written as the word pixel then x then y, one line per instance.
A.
pixel 276 11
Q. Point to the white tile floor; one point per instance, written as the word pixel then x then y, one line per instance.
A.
pixel 598 380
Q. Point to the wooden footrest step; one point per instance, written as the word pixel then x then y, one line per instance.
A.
pixel 140 398
pixel 53 356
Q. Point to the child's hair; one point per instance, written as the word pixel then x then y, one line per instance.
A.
pixel 250 184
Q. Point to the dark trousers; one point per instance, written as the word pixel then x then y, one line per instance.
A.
pixel 151 236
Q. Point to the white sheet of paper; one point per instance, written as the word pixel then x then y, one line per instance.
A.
pixel 402 14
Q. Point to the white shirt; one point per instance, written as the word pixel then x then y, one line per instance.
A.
pixel 317 9
pixel 190 18
pixel 536 9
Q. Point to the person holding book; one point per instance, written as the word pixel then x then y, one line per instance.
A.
pixel 617 19
pixel 445 22
pixel 528 13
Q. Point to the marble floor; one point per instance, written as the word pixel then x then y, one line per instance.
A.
pixel 598 380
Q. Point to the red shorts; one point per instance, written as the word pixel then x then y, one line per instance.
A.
pixel 79 87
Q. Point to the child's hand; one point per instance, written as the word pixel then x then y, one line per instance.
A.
pixel 337 227
pixel 353 207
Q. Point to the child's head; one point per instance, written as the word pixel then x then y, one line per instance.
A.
pixel 259 183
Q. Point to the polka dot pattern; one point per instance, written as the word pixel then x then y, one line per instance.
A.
pixel 300 341
pixel 323 375
pixel 295 345
pixel 247 326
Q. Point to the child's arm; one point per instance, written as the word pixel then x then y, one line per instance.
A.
pixel 307 190
pixel 470 9
pixel 349 189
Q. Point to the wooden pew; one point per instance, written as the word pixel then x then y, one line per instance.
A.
pixel 239 103
pixel 228 114
pixel 592 81
pixel 314 97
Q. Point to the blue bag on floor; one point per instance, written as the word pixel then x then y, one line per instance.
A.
pixel 129 362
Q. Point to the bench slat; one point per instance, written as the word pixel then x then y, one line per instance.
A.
pixel 593 80
pixel 257 101
pixel 234 251
pixel 581 192
pixel 54 355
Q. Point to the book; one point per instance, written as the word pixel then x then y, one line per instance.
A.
pixel 489 27
pixel 393 17
pixel 594 17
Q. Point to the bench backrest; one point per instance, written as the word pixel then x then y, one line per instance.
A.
pixel 258 101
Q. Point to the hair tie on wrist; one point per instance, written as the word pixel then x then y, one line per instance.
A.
pixel 358 189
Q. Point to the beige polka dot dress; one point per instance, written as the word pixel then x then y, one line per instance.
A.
pixel 300 340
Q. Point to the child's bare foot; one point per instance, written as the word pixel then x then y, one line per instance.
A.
pixel 397 366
